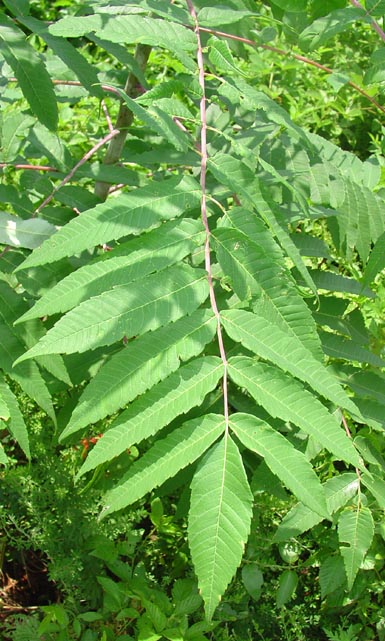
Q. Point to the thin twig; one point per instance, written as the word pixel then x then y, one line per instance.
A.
pixel 296 56
pixel 348 433
pixel 75 83
pixel 374 22
pixel 204 158
pixel 107 116
pixel 81 162
pixel 33 167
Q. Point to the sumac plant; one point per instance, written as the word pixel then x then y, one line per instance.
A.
pixel 206 291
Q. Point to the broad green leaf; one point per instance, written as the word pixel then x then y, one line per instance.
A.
pixel 376 262
pixel 376 486
pixel 143 363
pixel 219 520
pixel 30 72
pixel 355 534
pixel 329 26
pixel 366 383
pixel 128 29
pixel 338 491
pixel 269 341
pixel 291 5
pixel 332 282
pixel 158 121
pixel 71 57
pixel 332 574
pixel 14 132
pixel 133 213
pixel 252 578
pixel 376 71
pixel 12 346
pixel 221 15
pixel 289 464
pixel 18 7
pixel 376 8
pixel 174 396
pixel 163 460
pixel 126 311
pixel 286 398
pixel 288 582
pixel 270 213
pixel 4 409
pixel 255 275
pixel 164 246
pixel 221 57
pixel 29 233
pixel 3 456
pixel 16 424
pixel 339 347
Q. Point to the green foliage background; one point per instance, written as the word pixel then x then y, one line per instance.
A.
pixel 195 314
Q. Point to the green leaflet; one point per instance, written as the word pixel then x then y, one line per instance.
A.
pixel 161 247
pixel 158 121
pixel 142 364
pixel 132 213
pixel 219 16
pixel 332 574
pixel 219 520
pixel 328 26
pixel 269 341
pixel 339 347
pixel 4 409
pixel 164 459
pixel 338 491
pixel 174 396
pixel 15 424
pixel 128 29
pixel 355 534
pixel 254 275
pixel 12 346
pixel 126 311
pixel 221 57
pixel 30 72
pixel 71 57
pixel 376 262
pixel 289 464
pixel 29 233
pixel 284 397
pixel 360 219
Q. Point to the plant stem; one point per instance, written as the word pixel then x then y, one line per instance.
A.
pixel 374 22
pixel 204 157
pixel 124 120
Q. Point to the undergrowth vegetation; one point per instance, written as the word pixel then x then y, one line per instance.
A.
pixel 192 237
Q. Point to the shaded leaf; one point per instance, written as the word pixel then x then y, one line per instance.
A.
pixel 30 72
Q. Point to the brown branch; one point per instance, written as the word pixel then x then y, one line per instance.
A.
pixel 3 165
pixel 124 120
pixel 374 22
pixel 81 162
